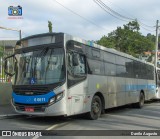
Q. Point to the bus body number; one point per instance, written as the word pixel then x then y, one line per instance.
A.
pixel 39 99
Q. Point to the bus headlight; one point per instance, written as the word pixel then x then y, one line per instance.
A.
pixel 56 98
pixel 59 96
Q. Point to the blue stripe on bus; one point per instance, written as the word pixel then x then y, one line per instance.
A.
pixel 139 87
pixel 36 99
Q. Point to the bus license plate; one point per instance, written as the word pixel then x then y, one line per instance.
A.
pixel 29 109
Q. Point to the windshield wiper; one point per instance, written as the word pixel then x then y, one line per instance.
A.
pixel 48 63
pixel 41 55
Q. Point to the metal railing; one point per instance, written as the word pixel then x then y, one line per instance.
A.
pixel 3 77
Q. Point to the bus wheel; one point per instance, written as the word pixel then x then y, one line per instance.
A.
pixel 141 101
pixel 96 108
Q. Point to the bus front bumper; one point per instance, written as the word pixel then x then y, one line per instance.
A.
pixel 56 109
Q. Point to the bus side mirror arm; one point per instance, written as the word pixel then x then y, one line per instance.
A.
pixel 6 66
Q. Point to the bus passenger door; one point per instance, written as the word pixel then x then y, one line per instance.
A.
pixel 76 82
pixel 158 84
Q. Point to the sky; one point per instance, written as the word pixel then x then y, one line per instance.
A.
pixel 80 18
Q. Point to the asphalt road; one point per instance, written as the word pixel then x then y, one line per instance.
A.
pixel 122 118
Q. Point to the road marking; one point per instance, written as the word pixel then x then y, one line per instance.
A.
pixel 7 116
pixel 53 127
pixel 36 137
pixel 57 125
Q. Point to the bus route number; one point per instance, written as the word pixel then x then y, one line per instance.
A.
pixel 39 99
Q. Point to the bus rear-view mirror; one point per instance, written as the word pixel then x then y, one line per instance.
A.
pixel 9 65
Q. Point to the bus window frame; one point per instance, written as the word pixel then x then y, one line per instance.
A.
pixel 84 76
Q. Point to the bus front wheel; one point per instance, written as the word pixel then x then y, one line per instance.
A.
pixel 96 108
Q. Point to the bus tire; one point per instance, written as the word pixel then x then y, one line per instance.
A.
pixel 96 108
pixel 141 100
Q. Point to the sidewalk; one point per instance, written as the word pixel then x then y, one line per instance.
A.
pixel 7 111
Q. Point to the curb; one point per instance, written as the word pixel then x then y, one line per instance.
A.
pixel 10 116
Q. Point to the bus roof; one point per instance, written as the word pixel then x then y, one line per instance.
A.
pixel 89 43
pixel 111 50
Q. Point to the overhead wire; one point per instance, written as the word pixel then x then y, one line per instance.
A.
pixel 145 24
pixel 9 37
pixel 114 12
pixel 75 13
pixel 102 7
pixel 147 29
pixel 132 16
pixel 110 11
pixel 25 34
pixel 119 16
pixel 121 9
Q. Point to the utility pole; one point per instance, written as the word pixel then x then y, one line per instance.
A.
pixel 156 43
pixel 20 34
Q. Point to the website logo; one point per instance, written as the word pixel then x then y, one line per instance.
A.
pixel 15 11
pixel 6 133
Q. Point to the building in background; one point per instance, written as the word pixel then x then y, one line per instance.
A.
pixel 150 56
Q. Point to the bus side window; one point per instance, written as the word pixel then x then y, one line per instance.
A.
pixel 69 64
pixel 79 67
pixel 76 67
pixel 76 64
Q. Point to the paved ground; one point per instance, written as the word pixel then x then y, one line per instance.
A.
pixel 7 111
pixel 123 118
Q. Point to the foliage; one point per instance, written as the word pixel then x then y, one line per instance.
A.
pixel 1 51
pixel 50 26
pixel 128 39
pixel 150 58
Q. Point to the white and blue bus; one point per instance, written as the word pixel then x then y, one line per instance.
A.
pixel 58 74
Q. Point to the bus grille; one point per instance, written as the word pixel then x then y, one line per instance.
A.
pixel 37 108
pixel 31 92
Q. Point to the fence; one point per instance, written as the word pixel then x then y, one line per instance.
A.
pixel 6 49
pixel 3 77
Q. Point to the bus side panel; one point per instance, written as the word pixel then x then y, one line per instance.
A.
pixel 151 89
pixel 142 86
pixel 76 97
pixel 111 90
pixel 121 94
pixel 96 84
pixel 131 90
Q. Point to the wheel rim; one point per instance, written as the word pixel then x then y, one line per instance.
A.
pixel 142 100
pixel 95 107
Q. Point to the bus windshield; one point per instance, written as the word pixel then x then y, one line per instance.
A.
pixel 40 67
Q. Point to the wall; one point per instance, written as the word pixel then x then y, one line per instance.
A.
pixel 5 93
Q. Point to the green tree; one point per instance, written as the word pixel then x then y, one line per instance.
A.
pixel 133 26
pixel 128 39
pixel 1 51
pixel 50 26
